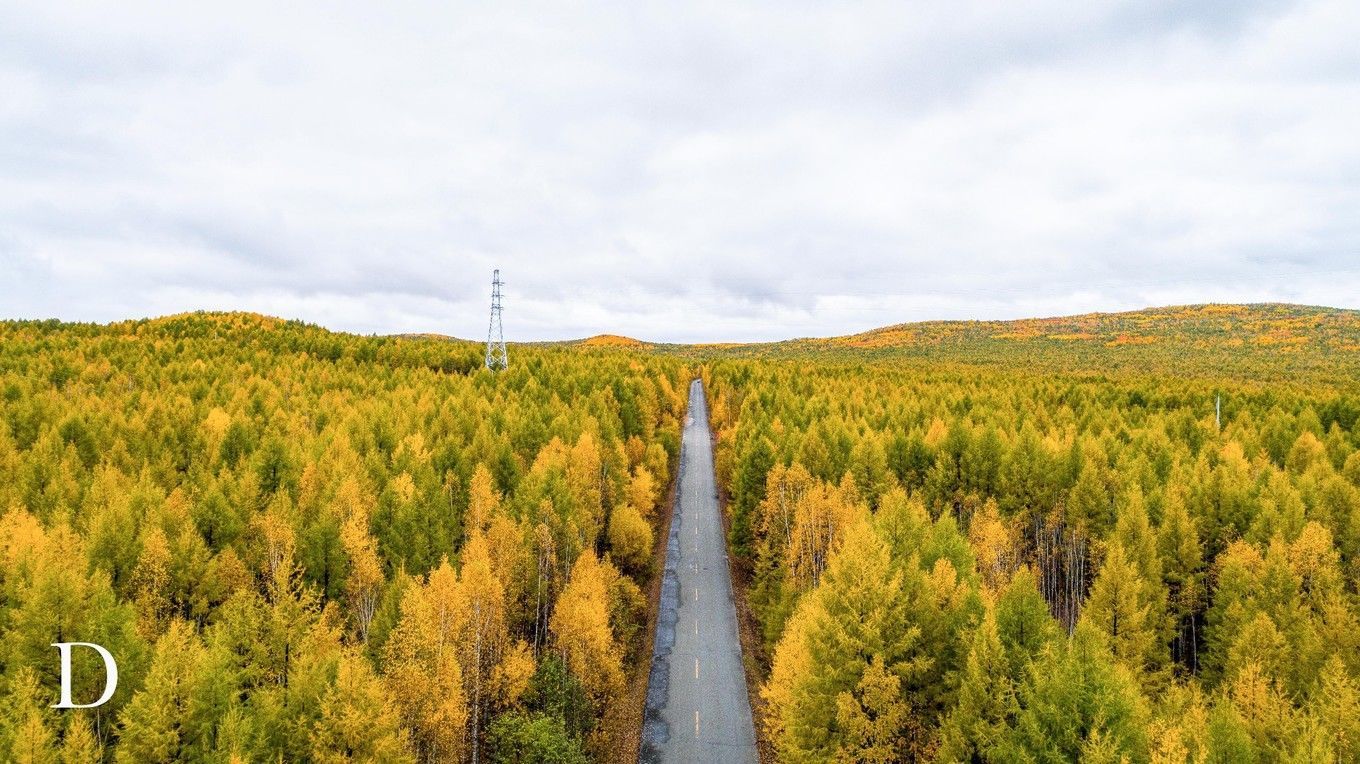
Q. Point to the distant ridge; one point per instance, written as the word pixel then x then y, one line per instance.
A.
pixel 1269 341
pixel 613 341
pixel 1260 323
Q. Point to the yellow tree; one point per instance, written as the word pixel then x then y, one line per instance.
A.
pixel 34 742
pixel 820 517
pixel 642 491
pixel 275 530
pixel 422 672
pixel 510 679
pixel 630 538
pixel 1336 706
pixel 1267 713
pixel 79 745
pixel 482 636
pixel 353 498
pixel 363 585
pixel 483 501
pixel 24 734
pixel 585 477
pixel 512 564
pixel 580 626
pixel 995 546
pixel 776 514
pixel 150 581
pixel 873 717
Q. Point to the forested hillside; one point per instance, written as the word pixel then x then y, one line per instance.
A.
pixel 989 560
pixel 1269 342
pixel 307 546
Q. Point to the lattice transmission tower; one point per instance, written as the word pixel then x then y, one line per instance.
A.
pixel 496 359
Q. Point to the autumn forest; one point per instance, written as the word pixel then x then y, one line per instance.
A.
pixel 1126 539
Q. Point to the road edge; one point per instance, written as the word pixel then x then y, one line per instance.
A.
pixel 642 672
pixel 753 657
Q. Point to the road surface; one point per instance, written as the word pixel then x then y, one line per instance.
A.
pixel 697 707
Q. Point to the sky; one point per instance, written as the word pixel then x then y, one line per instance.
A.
pixel 699 171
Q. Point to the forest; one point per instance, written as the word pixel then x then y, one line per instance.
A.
pixel 982 562
pixel 978 542
pixel 307 546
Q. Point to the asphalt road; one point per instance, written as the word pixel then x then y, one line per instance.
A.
pixel 697 707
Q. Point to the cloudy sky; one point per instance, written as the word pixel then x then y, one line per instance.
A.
pixel 675 171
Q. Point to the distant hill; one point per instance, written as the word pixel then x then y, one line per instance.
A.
pixel 612 341
pixel 1265 341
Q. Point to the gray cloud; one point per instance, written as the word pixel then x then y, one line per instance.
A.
pixel 707 172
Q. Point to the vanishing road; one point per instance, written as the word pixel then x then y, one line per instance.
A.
pixel 697 707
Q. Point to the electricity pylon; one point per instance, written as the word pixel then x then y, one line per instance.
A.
pixel 496 359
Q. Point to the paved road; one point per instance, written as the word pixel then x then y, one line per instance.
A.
pixel 697 707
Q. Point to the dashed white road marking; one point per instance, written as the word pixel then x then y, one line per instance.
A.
pixel 696 725
pixel 696 668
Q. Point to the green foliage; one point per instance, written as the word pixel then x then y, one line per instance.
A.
pixel 555 693
pixel 1076 704
pixel 532 739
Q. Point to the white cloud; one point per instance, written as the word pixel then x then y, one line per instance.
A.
pixel 706 172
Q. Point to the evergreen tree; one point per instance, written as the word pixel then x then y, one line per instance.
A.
pixel 79 745
pixel 356 722
pixel 987 702
pixel 532 739
pixel 153 727
pixel 1181 561
pixel 858 610
pixel 1335 705
pixel 872 716
pixel 1118 610
pixel 1076 702
pixel 1023 623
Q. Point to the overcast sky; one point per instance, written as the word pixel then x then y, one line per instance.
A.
pixel 675 171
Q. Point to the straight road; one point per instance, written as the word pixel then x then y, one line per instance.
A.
pixel 697 706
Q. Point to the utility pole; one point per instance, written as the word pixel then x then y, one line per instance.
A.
pixel 496 359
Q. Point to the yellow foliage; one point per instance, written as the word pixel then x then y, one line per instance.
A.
pixel 423 675
pixel 630 538
pixel 642 492
pixel 511 676
pixel 483 500
pixel 821 516
pixel 364 583
pixel 580 624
